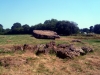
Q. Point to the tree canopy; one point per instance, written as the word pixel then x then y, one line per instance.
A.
pixel 1 29
pixel 63 27
pixel 97 29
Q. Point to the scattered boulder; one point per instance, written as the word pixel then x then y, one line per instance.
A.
pixel 29 47
pixel 45 34
pixel 87 49
pixel 50 44
pixel 46 48
pixel 17 47
pixel 70 51
pixel 62 45
pixel 61 54
pixel 41 49
pixel 67 51
pixel 80 51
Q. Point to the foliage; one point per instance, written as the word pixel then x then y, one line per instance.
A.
pixel 63 27
pixel 97 28
pixel 1 29
pixel 66 28
pixel 91 28
pixel 16 28
pixel 26 29
pixel 84 30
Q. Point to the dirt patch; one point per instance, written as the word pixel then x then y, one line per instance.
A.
pixel 11 61
pixel 94 61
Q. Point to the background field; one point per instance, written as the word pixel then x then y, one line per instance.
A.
pixel 50 64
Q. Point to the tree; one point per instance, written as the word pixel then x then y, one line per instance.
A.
pixel 85 30
pixel 7 31
pixel 61 27
pixel 91 28
pixel 50 24
pixel 16 25
pixel 66 28
pixel 1 29
pixel 16 28
pixel 97 29
pixel 31 29
pixel 26 29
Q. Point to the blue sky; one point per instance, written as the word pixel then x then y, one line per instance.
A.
pixel 83 12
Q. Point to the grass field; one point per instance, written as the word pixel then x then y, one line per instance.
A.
pixel 27 63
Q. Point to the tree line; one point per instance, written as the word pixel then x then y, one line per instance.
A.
pixel 63 27
pixel 91 29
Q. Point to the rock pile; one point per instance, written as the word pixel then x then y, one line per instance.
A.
pixel 61 50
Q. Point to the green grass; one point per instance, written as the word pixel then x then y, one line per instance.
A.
pixel 16 39
pixel 23 39
pixel 2 52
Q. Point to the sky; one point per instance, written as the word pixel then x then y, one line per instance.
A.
pixel 84 12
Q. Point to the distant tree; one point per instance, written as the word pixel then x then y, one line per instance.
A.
pixel 1 29
pixel 47 25
pixel 31 29
pixel 39 26
pixel 85 30
pixel 7 31
pixel 81 31
pixel 66 28
pixel 16 25
pixel 97 29
pixel 16 28
pixel 91 28
pixel 26 29
pixel 1 26
pixel 50 24
pixel 61 27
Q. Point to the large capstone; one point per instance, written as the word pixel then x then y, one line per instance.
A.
pixel 45 34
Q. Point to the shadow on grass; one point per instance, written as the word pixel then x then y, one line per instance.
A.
pixel 97 41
